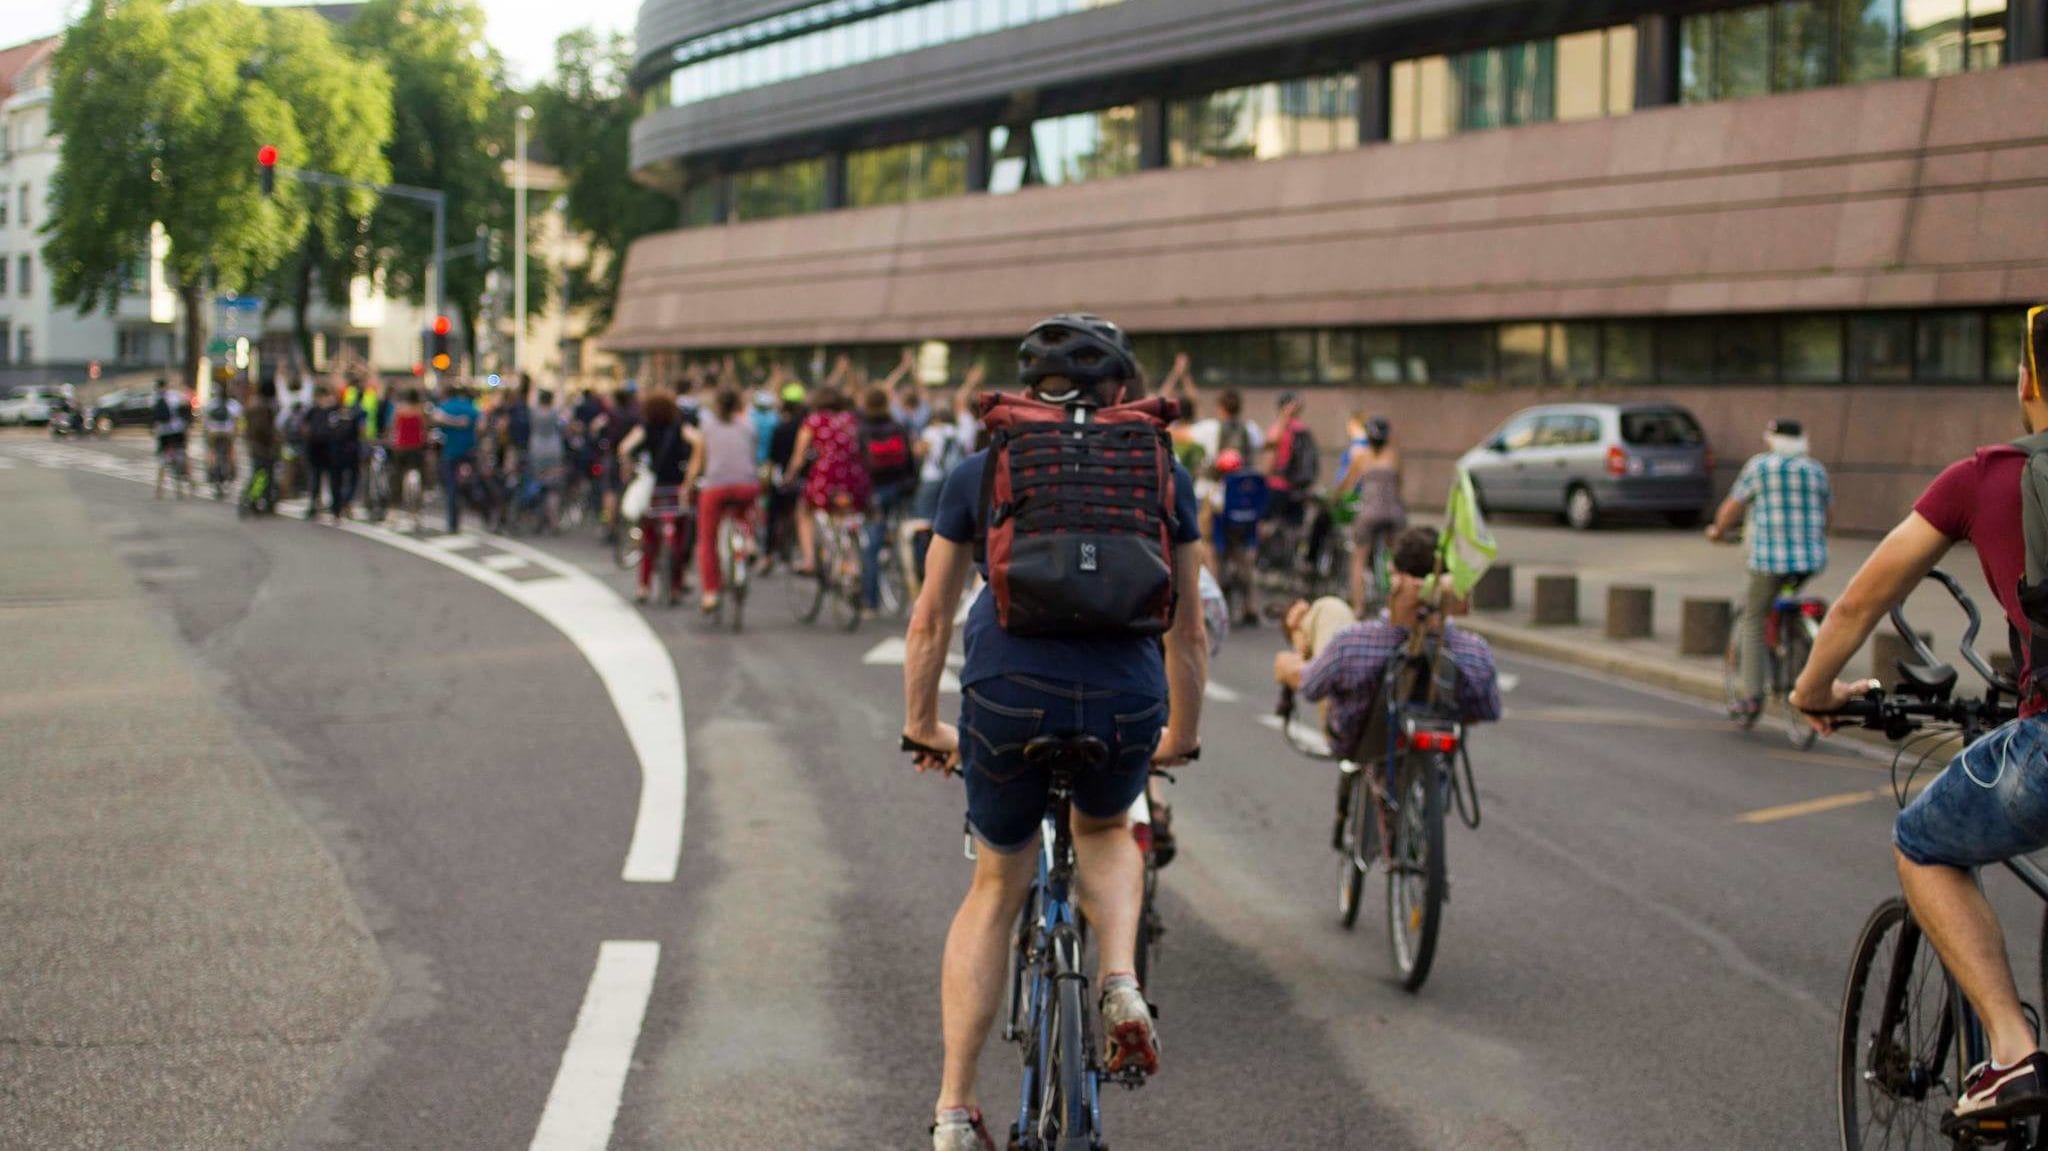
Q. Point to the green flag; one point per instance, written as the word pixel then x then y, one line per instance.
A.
pixel 1468 548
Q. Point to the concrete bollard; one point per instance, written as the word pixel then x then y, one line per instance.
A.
pixel 1704 626
pixel 1495 590
pixel 1887 648
pixel 1557 600
pixel 1630 612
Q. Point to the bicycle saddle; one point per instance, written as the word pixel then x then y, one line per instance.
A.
pixel 1074 751
pixel 1927 680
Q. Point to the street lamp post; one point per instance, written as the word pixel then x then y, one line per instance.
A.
pixel 519 123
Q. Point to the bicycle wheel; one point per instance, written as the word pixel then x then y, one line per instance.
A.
pixel 1150 927
pixel 1417 879
pixel 1356 800
pixel 736 558
pixel 847 595
pixel 1897 1029
pixel 1733 691
pixel 1791 662
pixel 414 495
pixel 1070 1109
pixel 807 593
pixel 627 543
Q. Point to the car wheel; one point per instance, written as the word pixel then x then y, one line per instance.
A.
pixel 1580 509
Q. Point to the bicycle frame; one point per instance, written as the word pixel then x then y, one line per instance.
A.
pixel 1055 952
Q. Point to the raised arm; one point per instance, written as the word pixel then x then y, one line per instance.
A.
pixel 1187 662
pixel 1885 580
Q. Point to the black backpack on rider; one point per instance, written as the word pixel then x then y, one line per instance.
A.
pixel 2034 583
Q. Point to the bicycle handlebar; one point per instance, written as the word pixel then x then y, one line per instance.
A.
pixel 1968 645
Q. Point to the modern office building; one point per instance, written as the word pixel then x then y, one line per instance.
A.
pixel 1439 210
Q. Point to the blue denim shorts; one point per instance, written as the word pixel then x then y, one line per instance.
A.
pixel 1989 805
pixel 1006 796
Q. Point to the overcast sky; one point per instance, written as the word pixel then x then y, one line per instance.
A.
pixel 523 30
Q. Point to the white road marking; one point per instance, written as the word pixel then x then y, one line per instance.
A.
pixel 631 662
pixel 584 1102
pixel 1509 681
pixel 5 463
pixel 503 563
pixel 1219 693
pixel 892 652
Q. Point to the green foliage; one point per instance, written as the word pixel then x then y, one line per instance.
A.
pixel 448 134
pixel 583 120
pixel 160 118
pixel 342 105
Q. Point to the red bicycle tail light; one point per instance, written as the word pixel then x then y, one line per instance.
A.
pixel 1617 461
pixel 1814 609
pixel 1444 742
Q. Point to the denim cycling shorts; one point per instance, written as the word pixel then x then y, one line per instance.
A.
pixel 1989 805
pixel 1006 796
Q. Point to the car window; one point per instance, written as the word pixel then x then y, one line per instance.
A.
pixel 1661 428
pixel 1564 430
pixel 1519 434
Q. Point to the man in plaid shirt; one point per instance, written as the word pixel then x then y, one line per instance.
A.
pixel 1788 499
pixel 1343 667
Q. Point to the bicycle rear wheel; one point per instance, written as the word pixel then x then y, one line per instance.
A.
pixel 627 542
pixel 807 593
pixel 1417 878
pixel 1357 800
pixel 1897 1030
pixel 1791 662
pixel 1071 1107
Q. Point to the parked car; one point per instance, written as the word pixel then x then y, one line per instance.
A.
pixel 128 408
pixel 1585 461
pixel 27 405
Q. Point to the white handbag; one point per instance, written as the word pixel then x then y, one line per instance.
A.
pixel 639 493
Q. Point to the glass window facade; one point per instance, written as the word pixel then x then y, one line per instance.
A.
pixel 902 173
pixel 1264 121
pixel 1791 45
pixel 1084 146
pixel 785 190
pixel 1581 76
pixel 837 34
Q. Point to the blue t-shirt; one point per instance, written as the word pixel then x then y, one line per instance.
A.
pixel 458 442
pixel 1125 664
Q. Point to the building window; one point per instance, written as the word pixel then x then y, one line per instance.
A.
pixel 902 173
pixel 2005 345
pixel 1574 353
pixel 1880 348
pixel 1948 348
pixel 1337 356
pixel 1811 349
pixel 1791 45
pixel 1084 146
pixel 1308 116
pixel 24 273
pixel 785 190
pixel 24 205
pixel 25 341
pixel 1581 76
pixel 1459 354
pixel 1627 352
pixel 3 207
pixel 1522 356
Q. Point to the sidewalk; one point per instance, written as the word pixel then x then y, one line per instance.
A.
pixel 1678 565
pixel 182 962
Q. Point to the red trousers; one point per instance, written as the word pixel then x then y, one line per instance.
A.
pixel 713 505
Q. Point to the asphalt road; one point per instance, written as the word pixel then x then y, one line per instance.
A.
pixel 1627 962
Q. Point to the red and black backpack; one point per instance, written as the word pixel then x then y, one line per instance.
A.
pixel 1077 517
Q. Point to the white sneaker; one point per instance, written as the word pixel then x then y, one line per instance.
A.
pixel 1127 1025
pixel 955 1135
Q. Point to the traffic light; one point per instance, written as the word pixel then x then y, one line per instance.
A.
pixel 266 163
pixel 437 344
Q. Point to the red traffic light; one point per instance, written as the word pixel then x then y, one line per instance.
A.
pixel 267 155
pixel 442 326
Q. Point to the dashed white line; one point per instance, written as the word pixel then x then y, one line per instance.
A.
pixel 503 562
pixel 583 1104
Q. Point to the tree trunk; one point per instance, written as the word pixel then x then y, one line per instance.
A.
pixel 302 303
pixel 470 347
pixel 194 300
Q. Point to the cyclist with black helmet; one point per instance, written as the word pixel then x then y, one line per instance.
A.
pixel 1139 696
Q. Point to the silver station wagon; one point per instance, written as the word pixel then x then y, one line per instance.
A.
pixel 1585 461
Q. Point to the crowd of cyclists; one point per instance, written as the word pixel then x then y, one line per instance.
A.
pixel 1265 523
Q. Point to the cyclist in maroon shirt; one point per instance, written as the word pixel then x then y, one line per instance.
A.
pixel 1996 805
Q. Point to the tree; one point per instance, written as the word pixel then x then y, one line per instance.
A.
pixel 342 104
pixel 160 119
pixel 583 121
pixel 448 134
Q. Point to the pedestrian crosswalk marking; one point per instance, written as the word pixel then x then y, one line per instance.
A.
pixel 892 652
pixel 502 562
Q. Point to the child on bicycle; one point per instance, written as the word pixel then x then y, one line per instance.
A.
pixel 1996 806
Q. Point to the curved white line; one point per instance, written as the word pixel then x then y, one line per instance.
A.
pixel 631 662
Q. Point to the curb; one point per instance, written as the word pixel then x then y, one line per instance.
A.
pixel 1562 648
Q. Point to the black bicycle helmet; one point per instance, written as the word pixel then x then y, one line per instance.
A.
pixel 1090 353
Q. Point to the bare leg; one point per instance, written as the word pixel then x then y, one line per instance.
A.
pixel 971 984
pixel 806 539
pixel 1359 558
pixel 1112 875
pixel 1959 921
